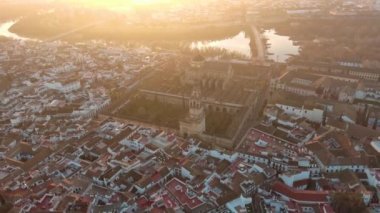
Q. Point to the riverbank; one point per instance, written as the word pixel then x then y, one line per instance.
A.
pixel 11 11
pixel 5 31
pixel 45 27
pixel 226 41
pixel 334 38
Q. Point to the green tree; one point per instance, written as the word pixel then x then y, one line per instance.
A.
pixel 346 202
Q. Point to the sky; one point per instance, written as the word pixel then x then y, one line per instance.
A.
pixel 115 3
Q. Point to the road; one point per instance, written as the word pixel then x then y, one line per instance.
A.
pixel 252 118
pixel 260 46
pixel 246 121
pixel 57 37
pixel 117 109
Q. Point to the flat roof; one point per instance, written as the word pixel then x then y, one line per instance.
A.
pixel 376 145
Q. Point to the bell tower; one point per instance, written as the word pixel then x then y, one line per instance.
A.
pixel 195 104
pixel 195 121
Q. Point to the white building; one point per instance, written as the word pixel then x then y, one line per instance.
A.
pixel 376 145
pixel 64 87
pixel 186 173
pixel 313 115
pixel 368 91
pixel 132 144
pixel 374 178
pixel 4 56
pixel 91 108
pixel 377 5
pixel 64 68
pixel 290 178
pixel 223 156
pixel 239 203
pixel 17 120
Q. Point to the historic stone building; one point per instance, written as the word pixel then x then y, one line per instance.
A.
pixel 195 121
pixel 227 87
pixel 211 75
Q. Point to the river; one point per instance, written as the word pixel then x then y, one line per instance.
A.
pixel 4 31
pixel 238 43
pixel 279 47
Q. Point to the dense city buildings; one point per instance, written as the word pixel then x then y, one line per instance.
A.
pixel 107 112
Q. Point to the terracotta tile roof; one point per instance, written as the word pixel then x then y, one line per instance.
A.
pixel 180 191
pixel 300 183
pixel 300 195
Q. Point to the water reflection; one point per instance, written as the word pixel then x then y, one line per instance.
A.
pixel 280 47
pixel 238 43
pixel 4 31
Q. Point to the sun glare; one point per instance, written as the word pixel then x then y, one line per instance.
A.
pixel 122 3
pixel 146 2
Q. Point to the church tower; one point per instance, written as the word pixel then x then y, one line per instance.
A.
pixel 195 121
pixel 195 104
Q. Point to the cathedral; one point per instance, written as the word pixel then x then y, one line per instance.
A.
pixel 208 88
pixel 210 74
